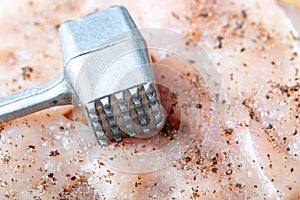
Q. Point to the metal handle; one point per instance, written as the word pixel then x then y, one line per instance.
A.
pixel 53 93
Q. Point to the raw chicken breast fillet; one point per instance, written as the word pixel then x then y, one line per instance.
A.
pixel 253 154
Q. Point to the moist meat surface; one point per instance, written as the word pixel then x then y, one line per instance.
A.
pixel 257 155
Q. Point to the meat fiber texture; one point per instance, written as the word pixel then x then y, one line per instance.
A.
pixel 256 155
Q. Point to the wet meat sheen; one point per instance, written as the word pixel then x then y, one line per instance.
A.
pixel 255 48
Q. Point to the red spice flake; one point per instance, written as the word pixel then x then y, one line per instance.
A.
pixel 214 170
pixel 228 130
pixel 26 72
pixel 53 153
pixel 175 15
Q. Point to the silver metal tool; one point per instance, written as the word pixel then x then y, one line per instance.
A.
pixel 107 73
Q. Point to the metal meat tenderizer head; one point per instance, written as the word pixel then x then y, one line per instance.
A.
pixel 107 73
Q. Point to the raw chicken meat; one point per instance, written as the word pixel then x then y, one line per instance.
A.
pixel 253 154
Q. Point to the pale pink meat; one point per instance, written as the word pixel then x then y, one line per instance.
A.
pixel 255 48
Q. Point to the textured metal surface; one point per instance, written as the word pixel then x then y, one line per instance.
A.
pixel 107 71
pixel 134 112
